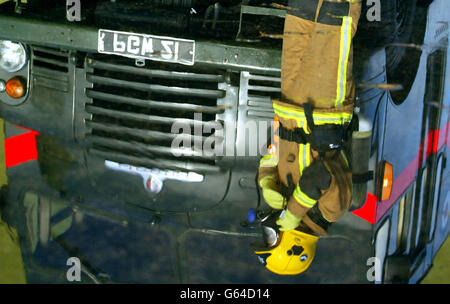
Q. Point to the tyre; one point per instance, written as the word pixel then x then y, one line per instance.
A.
pixel 402 62
pixel 402 24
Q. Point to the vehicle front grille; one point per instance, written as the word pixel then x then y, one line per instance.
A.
pixel 134 106
pixel 50 67
pixel 256 93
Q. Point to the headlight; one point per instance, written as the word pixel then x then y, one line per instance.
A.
pixel 12 56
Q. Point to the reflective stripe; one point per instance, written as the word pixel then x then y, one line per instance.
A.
pixel 301 151
pixel 346 37
pixel 345 158
pixel 303 199
pixel 297 114
pixel 348 166
pixel 269 161
pixel 304 155
pixel 308 155
pixel 319 118
pixel 304 151
pixel 301 164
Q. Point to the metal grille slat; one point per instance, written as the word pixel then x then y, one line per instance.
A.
pixel 141 117
pixel 155 162
pixel 261 114
pixel 50 83
pixel 55 52
pixel 262 102
pixel 132 111
pixel 145 149
pixel 263 78
pixel 50 74
pixel 51 61
pixel 144 134
pixel 155 73
pixel 50 68
pixel 152 103
pixel 155 88
pixel 256 93
pixel 263 88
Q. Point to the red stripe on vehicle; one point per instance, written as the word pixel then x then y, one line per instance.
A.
pixel 400 184
pixel 407 177
pixel 436 141
pixel 373 210
pixel 429 143
pixel 20 149
pixel 369 210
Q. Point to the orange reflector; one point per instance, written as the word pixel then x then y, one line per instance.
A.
pixel 388 178
pixel 15 87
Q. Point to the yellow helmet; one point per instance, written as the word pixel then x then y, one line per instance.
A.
pixel 292 254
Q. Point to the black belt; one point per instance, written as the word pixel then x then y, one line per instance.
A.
pixel 316 216
pixel 287 191
pixel 323 138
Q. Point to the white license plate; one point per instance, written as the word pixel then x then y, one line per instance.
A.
pixel 141 46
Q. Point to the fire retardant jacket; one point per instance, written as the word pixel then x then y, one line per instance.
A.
pixel 316 69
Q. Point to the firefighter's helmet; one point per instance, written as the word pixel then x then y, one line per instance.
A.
pixel 291 254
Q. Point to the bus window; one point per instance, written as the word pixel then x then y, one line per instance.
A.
pixel 431 181
pixel 401 216
pixel 405 219
pixel 381 242
pixel 423 194
pixel 437 188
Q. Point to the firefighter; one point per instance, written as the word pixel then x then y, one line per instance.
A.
pixel 306 173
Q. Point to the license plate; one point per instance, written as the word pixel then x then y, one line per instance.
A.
pixel 141 46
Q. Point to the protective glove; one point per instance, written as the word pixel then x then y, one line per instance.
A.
pixel 315 178
pixel 271 192
pixel 288 221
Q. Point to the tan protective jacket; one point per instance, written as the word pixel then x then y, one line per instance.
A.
pixel 316 68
